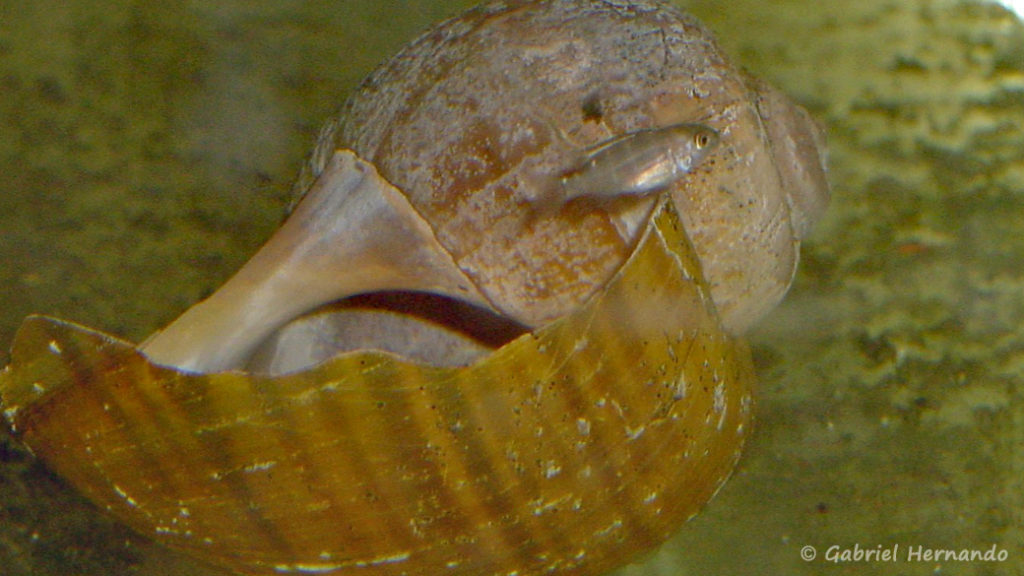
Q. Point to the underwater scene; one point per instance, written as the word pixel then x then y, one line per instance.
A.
pixel 148 149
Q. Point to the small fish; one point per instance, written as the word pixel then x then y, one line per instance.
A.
pixel 634 164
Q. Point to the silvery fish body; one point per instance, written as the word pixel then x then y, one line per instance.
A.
pixel 640 162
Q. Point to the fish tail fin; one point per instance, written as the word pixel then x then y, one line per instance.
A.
pixel 547 203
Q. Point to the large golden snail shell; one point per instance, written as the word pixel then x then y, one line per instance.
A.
pixel 572 447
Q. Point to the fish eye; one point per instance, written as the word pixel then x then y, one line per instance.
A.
pixel 702 139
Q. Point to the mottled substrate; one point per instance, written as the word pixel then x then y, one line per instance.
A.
pixel 889 409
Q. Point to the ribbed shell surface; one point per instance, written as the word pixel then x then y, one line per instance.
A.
pixel 570 450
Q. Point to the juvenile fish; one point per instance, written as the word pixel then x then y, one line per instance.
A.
pixel 634 164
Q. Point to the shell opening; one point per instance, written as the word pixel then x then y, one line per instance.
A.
pixel 426 328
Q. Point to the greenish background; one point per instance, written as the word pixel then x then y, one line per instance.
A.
pixel 146 148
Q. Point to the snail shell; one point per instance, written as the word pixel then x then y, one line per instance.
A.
pixel 613 402
pixel 467 119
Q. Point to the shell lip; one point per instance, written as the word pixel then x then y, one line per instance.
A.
pixel 509 331
pixel 25 346
pixel 525 333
